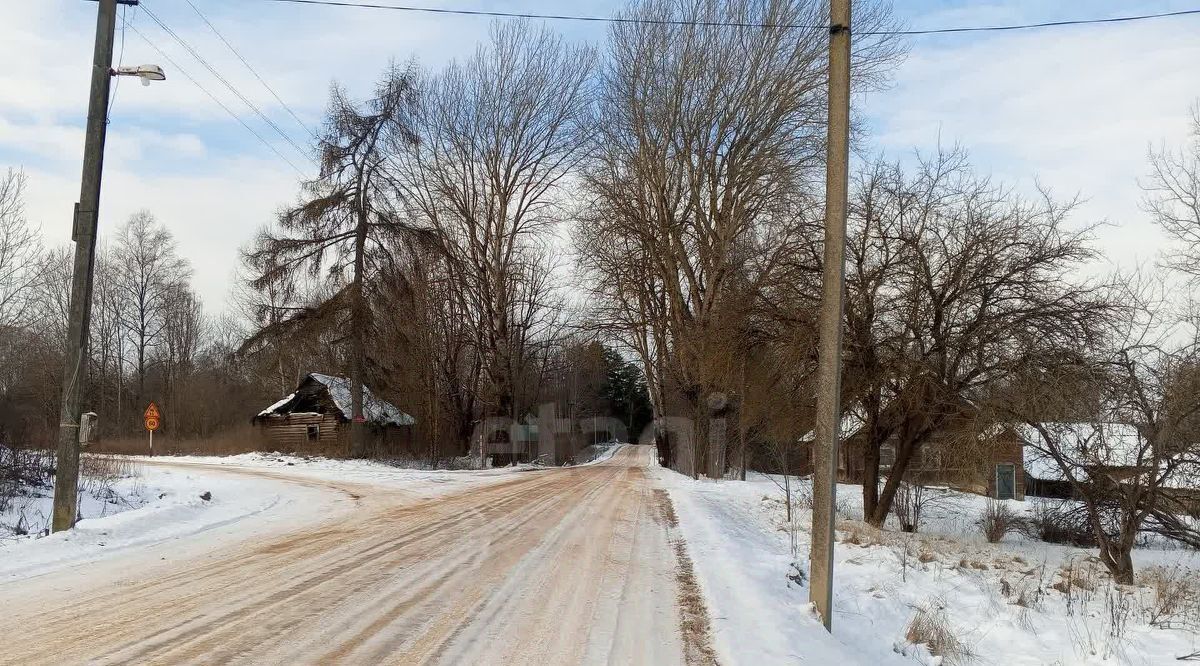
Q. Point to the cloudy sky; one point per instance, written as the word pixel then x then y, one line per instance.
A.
pixel 1074 108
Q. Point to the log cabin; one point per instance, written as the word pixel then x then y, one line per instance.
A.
pixel 316 418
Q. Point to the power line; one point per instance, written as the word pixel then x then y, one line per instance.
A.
pixel 233 89
pixel 731 24
pixel 120 61
pixel 548 17
pixel 1034 26
pixel 214 98
pixel 252 70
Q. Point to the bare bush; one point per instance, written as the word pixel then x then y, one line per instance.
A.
pixel 1174 599
pixel 930 628
pixel 997 520
pixel 1058 522
pixel 912 501
pixel 21 471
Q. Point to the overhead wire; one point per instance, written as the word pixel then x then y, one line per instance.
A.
pixel 214 98
pixel 224 81
pixel 253 71
pixel 730 24
pixel 541 16
pixel 112 101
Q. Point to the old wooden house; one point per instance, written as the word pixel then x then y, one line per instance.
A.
pixel 989 463
pixel 316 419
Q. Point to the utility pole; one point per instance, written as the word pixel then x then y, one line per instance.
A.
pixel 83 232
pixel 829 360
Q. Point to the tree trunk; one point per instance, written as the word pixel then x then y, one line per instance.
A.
pixel 870 476
pixel 742 462
pixel 1118 559
pixel 906 448
pixel 358 324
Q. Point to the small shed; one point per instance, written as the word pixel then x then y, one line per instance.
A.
pixel 317 416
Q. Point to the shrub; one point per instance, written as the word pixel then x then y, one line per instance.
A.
pixel 1174 600
pixel 1058 522
pixel 998 519
pixel 929 627
pixel 21 471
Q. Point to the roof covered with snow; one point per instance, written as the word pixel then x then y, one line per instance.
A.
pixel 1081 445
pixel 1085 446
pixel 374 409
pixel 271 410
pixel 850 424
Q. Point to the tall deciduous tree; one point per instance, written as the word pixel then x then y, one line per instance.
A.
pixel 957 286
pixel 149 276
pixel 499 136
pixel 20 252
pixel 1173 197
pixel 702 178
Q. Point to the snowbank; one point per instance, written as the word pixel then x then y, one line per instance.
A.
pixel 1012 603
pixel 157 504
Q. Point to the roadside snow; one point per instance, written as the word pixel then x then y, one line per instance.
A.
pixel 160 502
pixel 1006 602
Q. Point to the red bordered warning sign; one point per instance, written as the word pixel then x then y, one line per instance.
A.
pixel 153 417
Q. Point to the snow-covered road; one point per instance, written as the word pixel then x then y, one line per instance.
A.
pixel 553 566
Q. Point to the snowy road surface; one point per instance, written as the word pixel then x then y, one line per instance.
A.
pixel 560 566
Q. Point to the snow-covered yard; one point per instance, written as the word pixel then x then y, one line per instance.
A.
pixel 1016 602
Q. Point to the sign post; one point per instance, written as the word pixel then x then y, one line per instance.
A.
pixel 153 420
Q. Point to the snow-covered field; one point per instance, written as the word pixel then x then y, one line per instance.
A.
pixel 1015 602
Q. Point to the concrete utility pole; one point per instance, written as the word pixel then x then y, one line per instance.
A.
pixel 829 360
pixel 66 476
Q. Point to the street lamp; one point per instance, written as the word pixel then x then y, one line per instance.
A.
pixel 146 73
pixel 83 233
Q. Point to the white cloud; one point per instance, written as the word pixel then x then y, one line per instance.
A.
pixel 1075 108
pixel 172 150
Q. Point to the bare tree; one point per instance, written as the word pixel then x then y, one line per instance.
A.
pixel 499 137
pixel 20 252
pixel 1173 197
pixel 702 182
pixel 149 273
pixel 957 286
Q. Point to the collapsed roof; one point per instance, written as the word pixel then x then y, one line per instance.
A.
pixel 318 392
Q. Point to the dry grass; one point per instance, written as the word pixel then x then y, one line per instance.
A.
pixel 27 480
pixel 930 628
pixel 245 439
pixel 693 622
pixel 1173 599
pixel 861 534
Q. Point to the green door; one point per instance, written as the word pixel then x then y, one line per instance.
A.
pixel 1006 481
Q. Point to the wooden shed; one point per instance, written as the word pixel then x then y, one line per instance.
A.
pixel 316 419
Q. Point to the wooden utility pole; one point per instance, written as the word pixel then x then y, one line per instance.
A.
pixel 829 361
pixel 66 476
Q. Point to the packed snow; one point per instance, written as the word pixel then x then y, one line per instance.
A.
pixel 1015 602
